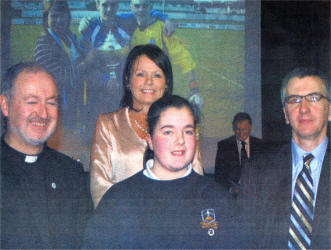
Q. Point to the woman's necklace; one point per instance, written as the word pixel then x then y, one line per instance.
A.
pixel 140 130
pixel 140 127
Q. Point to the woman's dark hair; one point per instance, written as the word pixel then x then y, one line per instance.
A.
pixel 61 5
pixel 154 53
pixel 161 105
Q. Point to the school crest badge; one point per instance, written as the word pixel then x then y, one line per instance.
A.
pixel 209 222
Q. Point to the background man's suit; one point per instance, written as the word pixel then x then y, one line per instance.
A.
pixel 227 163
pixel 267 187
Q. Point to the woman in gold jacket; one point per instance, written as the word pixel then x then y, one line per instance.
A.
pixel 119 140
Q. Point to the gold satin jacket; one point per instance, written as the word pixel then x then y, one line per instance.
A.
pixel 117 152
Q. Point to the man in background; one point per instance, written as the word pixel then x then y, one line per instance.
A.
pixel 233 151
pixel 44 197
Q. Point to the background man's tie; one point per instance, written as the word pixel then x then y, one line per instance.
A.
pixel 243 153
pixel 302 211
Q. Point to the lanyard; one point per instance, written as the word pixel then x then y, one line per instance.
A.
pixel 60 42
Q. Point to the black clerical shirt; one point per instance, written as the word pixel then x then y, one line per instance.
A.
pixel 45 203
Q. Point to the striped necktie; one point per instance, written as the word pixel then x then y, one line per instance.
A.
pixel 302 210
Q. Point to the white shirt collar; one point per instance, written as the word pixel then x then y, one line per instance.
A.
pixel 246 140
pixel 149 174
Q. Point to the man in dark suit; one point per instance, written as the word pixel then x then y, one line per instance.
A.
pixel 44 197
pixel 233 151
pixel 286 192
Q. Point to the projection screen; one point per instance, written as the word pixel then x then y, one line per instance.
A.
pixel 223 39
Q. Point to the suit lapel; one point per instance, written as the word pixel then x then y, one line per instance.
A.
pixel 253 146
pixel 285 173
pixel 321 226
pixel 235 149
pixel 280 202
pixel 286 190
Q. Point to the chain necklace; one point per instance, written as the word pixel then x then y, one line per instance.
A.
pixel 140 127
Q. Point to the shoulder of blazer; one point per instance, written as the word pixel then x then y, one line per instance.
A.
pixel 255 139
pixel 227 141
pixel 273 158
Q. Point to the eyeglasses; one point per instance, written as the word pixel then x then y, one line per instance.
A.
pixel 312 97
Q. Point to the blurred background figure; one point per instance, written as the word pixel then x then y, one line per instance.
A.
pixel 105 44
pixel 233 151
pixel 105 41
pixel 58 51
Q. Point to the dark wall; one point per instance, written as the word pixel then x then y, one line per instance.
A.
pixel 5 7
pixel 293 33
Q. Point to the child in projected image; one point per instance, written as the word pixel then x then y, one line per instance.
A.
pixel 105 41
pixel 166 205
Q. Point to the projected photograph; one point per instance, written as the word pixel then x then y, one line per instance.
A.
pixel 206 45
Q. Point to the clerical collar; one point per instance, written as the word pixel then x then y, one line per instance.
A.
pixel 20 155
pixel 31 158
pixel 149 174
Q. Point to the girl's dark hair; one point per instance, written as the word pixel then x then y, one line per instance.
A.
pixel 154 53
pixel 161 105
pixel 61 5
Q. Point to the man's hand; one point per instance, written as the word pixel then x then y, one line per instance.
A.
pixel 169 28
